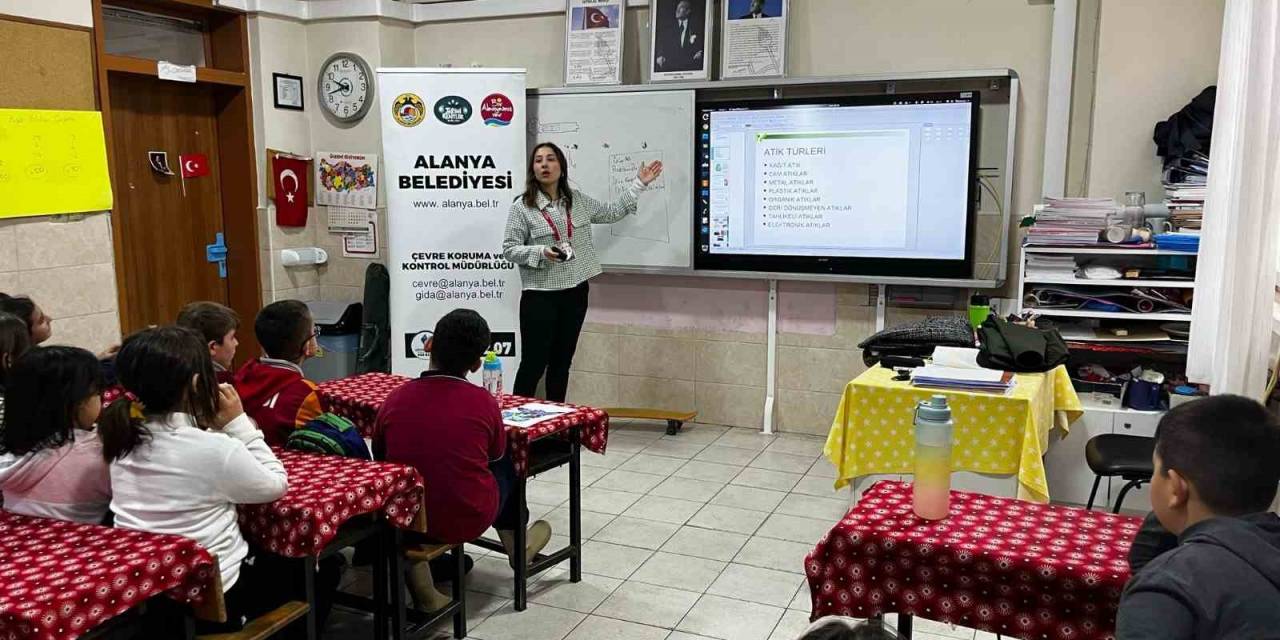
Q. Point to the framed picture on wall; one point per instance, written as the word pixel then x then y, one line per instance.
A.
pixel 593 41
pixel 680 36
pixel 753 43
pixel 287 91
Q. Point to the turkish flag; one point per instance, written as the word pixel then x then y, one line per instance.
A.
pixel 194 165
pixel 290 177
pixel 595 18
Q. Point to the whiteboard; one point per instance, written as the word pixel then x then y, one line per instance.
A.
pixel 606 136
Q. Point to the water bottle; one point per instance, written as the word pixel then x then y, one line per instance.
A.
pixel 931 496
pixel 492 374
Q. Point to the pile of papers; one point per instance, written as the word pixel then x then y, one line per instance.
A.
pixel 1185 189
pixel 937 376
pixel 957 368
pixel 531 413
pixel 1051 266
pixel 1070 221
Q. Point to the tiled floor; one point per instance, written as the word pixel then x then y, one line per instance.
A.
pixel 694 536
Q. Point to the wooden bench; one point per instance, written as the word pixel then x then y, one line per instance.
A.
pixel 675 419
pixel 457 608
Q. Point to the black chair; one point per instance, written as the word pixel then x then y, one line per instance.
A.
pixel 1113 454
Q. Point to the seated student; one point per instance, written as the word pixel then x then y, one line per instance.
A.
pixel 51 461
pixel 217 324
pixel 14 341
pixel 275 394
pixel 1215 477
pixel 451 431
pixel 185 454
pixel 39 325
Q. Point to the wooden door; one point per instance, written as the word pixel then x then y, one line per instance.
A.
pixel 164 226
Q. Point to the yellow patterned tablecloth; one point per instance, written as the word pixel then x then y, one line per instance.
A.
pixel 996 434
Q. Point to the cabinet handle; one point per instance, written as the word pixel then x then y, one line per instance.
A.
pixel 1128 425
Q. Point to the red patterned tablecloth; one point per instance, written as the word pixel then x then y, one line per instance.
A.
pixel 325 492
pixel 58 579
pixel 358 398
pixel 1007 566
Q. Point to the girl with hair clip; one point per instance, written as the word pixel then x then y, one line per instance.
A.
pixel 184 454
pixel 51 461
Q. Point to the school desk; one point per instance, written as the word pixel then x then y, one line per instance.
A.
pixel 333 503
pixel 61 580
pixel 533 450
pixel 994 434
pixel 1011 567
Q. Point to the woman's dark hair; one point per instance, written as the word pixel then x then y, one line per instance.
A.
pixel 46 387
pixel 532 186
pixel 21 306
pixel 15 339
pixel 157 366
pixel 460 338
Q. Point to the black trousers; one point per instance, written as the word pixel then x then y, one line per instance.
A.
pixel 550 322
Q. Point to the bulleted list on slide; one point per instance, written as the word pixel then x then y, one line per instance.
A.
pixel 845 189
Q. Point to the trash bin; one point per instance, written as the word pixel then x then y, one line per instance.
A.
pixel 339 340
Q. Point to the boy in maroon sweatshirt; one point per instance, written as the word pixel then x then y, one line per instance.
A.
pixel 451 431
pixel 272 388
pixel 217 324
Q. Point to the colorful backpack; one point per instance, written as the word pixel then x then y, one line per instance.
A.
pixel 329 434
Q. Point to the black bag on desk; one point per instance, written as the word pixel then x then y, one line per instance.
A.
pixel 1018 348
pixel 917 339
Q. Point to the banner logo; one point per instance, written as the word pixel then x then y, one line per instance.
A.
pixel 415 345
pixel 497 110
pixel 408 110
pixel 453 110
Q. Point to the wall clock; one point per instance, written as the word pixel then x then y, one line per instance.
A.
pixel 345 87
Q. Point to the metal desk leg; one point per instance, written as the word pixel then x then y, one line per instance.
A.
pixel 460 566
pixel 575 506
pixel 380 600
pixel 521 561
pixel 395 565
pixel 309 592
pixel 904 625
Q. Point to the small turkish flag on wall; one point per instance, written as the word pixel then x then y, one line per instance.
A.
pixel 194 165
pixel 290 178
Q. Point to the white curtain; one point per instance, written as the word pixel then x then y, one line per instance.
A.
pixel 1231 322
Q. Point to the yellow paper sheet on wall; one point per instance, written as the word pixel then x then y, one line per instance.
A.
pixel 52 162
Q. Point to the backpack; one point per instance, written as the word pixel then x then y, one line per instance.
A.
pixel 375 330
pixel 329 434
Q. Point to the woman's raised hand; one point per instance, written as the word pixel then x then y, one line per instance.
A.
pixel 649 172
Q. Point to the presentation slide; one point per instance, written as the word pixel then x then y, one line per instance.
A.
pixel 837 181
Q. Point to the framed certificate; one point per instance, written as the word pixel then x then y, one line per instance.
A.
pixel 287 91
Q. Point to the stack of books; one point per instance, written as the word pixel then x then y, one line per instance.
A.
pixel 1070 221
pixel 962 379
pixel 1185 188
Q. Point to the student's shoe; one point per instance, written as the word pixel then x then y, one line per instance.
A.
pixel 538 536
pixel 423 589
pixel 445 568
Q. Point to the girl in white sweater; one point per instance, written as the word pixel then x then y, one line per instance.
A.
pixel 185 454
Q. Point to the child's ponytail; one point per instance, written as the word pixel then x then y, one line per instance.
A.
pixel 120 428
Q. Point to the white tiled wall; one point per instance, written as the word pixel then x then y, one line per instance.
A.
pixel 65 264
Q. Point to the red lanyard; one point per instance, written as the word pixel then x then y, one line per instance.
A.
pixel 568 219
